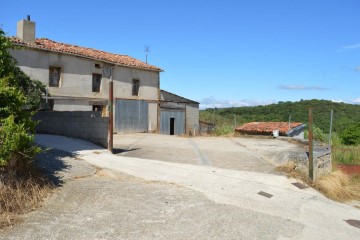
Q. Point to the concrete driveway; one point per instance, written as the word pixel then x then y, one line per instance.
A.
pixel 166 200
pixel 247 154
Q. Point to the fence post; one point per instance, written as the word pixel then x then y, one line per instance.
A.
pixel 312 170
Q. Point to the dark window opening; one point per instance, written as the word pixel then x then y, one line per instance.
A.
pixel 97 65
pixel 54 76
pixel 172 126
pixel 96 82
pixel 135 87
pixel 97 108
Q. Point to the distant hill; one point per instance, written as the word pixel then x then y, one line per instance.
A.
pixel 344 114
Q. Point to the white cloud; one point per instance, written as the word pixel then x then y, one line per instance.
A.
pixel 337 100
pixel 357 68
pixel 212 102
pixel 302 87
pixel 354 46
pixel 356 100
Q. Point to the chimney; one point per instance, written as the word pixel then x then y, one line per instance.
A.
pixel 26 30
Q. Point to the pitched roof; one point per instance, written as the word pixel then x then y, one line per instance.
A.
pixel 50 45
pixel 165 96
pixel 267 127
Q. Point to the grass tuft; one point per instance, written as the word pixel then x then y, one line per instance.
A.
pixel 19 196
pixel 337 185
pixel 288 167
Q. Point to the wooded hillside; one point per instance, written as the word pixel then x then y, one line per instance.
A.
pixel 345 115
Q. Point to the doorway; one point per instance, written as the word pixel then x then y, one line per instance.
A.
pixel 172 126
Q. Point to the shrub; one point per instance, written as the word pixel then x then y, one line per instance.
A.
pixel 318 134
pixel 223 130
pixel 351 134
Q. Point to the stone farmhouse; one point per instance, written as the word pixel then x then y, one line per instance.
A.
pixel 77 79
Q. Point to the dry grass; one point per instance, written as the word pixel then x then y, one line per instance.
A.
pixel 20 196
pixel 337 185
pixel 288 167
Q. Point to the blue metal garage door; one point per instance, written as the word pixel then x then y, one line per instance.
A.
pixel 131 116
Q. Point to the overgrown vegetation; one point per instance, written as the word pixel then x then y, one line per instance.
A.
pixel 346 117
pixel 20 186
pixel 346 155
pixel 337 185
pixel 18 196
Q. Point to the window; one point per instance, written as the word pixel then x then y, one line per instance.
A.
pixel 54 76
pixel 96 82
pixel 97 108
pixel 135 87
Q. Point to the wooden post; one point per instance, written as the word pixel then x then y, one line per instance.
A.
pixel 111 119
pixel 311 146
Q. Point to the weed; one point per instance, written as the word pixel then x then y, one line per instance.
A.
pixel 288 167
pixel 337 185
pixel 18 196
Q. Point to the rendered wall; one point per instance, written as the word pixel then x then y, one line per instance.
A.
pixel 76 79
pixel 89 126
pixel 192 119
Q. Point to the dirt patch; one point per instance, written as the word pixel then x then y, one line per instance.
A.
pixel 349 169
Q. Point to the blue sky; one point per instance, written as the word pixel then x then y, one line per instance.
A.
pixel 220 53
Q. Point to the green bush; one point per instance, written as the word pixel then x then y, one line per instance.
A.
pixel 351 134
pixel 18 95
pixel 223 130
pixel 16 144
pixel 318 135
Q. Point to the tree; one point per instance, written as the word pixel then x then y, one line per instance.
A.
pixel 18 94
pixel 9 69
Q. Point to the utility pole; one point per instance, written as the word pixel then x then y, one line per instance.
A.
pixel 111 119
pixel 312 173
pixel 331 120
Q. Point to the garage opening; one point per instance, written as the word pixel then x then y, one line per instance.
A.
pixel 172 126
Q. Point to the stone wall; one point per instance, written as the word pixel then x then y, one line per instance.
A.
pixel 322 161
pixel 89 126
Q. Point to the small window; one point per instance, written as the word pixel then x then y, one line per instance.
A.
pixel 135 87
pixel 54 76
pixel 97 108
pixel 96 82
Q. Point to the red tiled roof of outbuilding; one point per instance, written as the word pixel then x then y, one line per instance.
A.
pixel 50 45
pixel 267 127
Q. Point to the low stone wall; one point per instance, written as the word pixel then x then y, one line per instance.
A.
pixel 322 161
pixel 89 126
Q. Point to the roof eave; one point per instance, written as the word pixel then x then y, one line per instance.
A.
pixel 82 56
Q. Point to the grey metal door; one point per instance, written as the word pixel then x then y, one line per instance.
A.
pixel 131 116
pixel 172 122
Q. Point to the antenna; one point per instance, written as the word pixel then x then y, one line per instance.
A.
pixel 147 50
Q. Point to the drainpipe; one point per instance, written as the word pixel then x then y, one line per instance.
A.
pixel 111 119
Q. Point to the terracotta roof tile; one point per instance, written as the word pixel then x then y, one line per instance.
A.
pixel 267 127
pixel 50 45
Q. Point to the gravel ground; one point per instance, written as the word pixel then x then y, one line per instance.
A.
pixel 93 203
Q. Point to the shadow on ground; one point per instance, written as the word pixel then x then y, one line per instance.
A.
pixel 121 150
pixel 51 162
